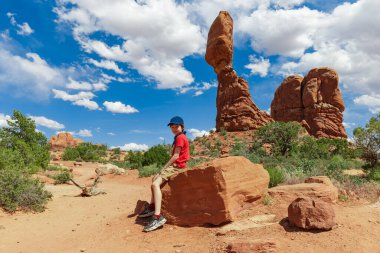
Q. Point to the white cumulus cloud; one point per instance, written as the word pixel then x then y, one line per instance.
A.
pixel 371 101
pixel 82 98
pixel 133 146
pixel 156 35
pixel 258 66
pixel 23 29
pixel 49 123
pixel 84 133
pixel 197 133
pixel 119 107
pixel 3 120
pixel 107 64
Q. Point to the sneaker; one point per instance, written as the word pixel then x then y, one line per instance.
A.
pixel 155 223
pixel 147 212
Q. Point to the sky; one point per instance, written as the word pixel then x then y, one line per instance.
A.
pixel 116 71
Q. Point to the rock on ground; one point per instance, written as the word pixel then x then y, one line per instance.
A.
pixel 236 110
pixel 315 101
pixel 252 246
pixel 105 169
pixel 318 187
pixel 311 213
pixel 213 193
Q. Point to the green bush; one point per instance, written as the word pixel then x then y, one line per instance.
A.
pixel 19 191
pixel 323 148
pixel 276 176
pixel 62 177
pixel 116 151
pixel 192 149
pixel 193 162
pixel 85 152
pixel 23 151
pixel 368 141
pixel 240 148
pixel 148 170
pixel 281 135
pixel 21 137
pixel 70 154
pixel 122 164
pixel 135 158
pixel 158 154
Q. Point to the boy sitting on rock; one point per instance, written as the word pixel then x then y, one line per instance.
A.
pixel 177 163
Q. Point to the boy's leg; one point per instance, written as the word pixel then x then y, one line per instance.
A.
pixel 157 195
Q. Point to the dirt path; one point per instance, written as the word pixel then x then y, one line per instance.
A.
pixel 105 223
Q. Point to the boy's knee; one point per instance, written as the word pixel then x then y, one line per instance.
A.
pixel 157 182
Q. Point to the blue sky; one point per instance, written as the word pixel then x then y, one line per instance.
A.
pixel 115 72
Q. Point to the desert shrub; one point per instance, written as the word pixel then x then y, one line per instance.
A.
pixel 368 141
pixel 149 170
pixel 193 162
pixel 53 168
pixel 192 149
pixel 85 152
pixel 63 177
pixel 276 176
pixel 323 148
pixel 21 136
pixel 23 151
pixel 223 131
pixel 374 174
pixel 70 154
pixel 240 148
pixel 158 154
pixel 135 158
pixel 19 191
pixel 122 164
pixel 116 151
pixel 281 135
pixel 267 200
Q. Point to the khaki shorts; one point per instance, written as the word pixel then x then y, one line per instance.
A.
pixel 169 171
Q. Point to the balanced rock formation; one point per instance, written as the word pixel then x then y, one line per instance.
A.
pixel 316 187
pixel 309 213
pixel 62 141
pixel 315 101
pixel 213 193
pixel 236 110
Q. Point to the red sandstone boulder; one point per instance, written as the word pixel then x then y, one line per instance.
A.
pixel 213 193
pixel 236 110
pixel 315 101
pixel 311 213
pixel 316 187
pixel 62 141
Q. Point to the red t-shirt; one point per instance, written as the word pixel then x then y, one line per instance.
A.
pixel 184 155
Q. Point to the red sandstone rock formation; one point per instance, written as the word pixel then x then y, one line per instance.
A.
pixel 315 187
pixel 314 100
pixel 62 141
pixel 213 193
pixel 236 110
pixel 311 213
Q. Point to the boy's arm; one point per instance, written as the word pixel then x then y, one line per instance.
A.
pixel 173 158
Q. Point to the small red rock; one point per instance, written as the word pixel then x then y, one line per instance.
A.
pixel 311 213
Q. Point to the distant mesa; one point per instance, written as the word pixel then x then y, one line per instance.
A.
pixel 314 100
pixel 236 110
pixel 63 140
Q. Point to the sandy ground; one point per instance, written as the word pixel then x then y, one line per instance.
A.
pixel 106 223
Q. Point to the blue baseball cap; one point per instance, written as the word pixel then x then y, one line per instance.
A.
pixel 176 120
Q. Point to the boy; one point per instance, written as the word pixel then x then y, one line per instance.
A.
pixel 177 163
